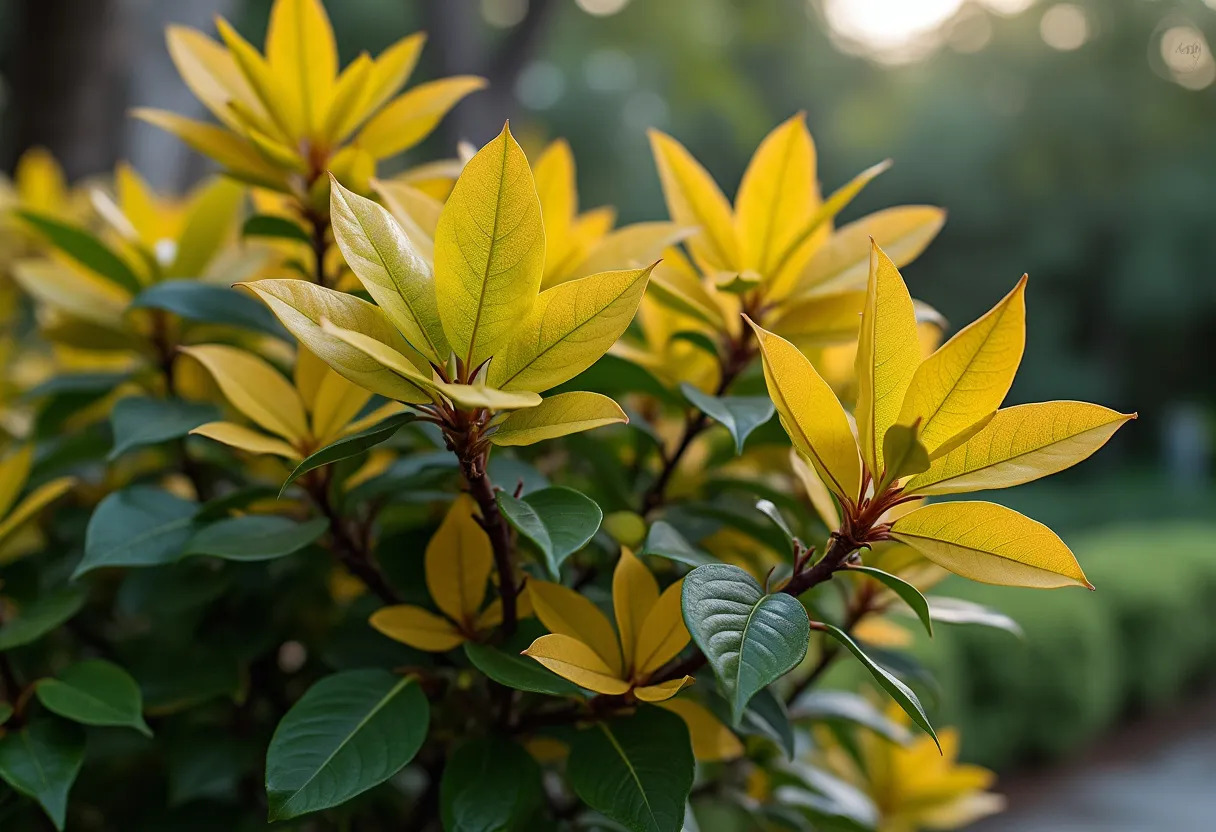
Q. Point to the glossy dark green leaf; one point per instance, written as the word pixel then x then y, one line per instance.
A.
pixel 910 594
pixel 76 383
pixel 766 715
pixel 517 671
pixel 206 764
pixel 196 301
pixel 86 249
pixel 738 414
pixel 958 611
pixel 637 770
pixel 613 375
pixel 255 537
pixel 95 692
pixel 846 706
pixel 351 731
pixel 489 785
pixel 41 761
pixel 137 421
pixel 138 526
pixel 750 639
pixel 558 520
pixel 350 446
pixel 901 693
pixel 269 225
pixel 770 510
pixel 665 541
pixel 39 617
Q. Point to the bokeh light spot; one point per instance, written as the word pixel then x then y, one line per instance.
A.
pixel 1064 27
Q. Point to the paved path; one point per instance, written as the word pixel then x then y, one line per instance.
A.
pixel 1159 776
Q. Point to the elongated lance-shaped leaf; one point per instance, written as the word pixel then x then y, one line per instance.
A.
pixel 350 446
pixel 85 249
pixel 910 594
pixel 777 195
pixel 750 639
pixel 556 416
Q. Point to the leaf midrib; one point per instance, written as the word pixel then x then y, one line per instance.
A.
pixel 632 773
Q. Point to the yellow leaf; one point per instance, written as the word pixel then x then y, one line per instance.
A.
pixel 388 73
pixel 458 563
pixel 777 195
pixel 587 231
pixel 40 181
pixel 272 89
pixel 382 354
pixel 301 306
pixel 474 396
pixel 210 221
pixel 821 320
pixel 255 388
pixel 232 152
pixel 336 403
pixel 712 741
pixel 417 212
pixel 887 356
pixel 77 293
pixel 991 544
pixel 558 415
pixel 631 247
pixel 418 628
pixel 392 270
pixel 569 328
pixel 14 470
pixel 410 117
pixel 680 289
pixel 663 690
pixel 572 659
pixel 554 173
pixel 634 594
pixel 961 385
pixel 663 634
pixel 210 72
pixel 34 502
pixel 307 375
pixel 140 206
pixel 489 251
pixel 903 232
pixel 695 201
pixel 246 439
pixel 300 49
pixel 1021 444
pixel 375 417
pixel 350 91
pixel 565 612
pixel 816 491
pixel 811 415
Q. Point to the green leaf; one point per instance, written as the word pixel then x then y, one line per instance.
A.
pixel 910 594
pixel 766 715
pixel 846 706
pixel 6 711
pixel 143 420
pixel 665 541
pixel 269 225
pixel 958 611
pixel 350 446
pixel 769 509
pixel 750 639
pixel 255 537
pixel 613 375
pixel 206 765
pixel 829 802
pixel 739 414
pixel 85 249
pixel 138 526
pixel 903 453
pixel 518 672
pixel 351 731
pixel 203 302
pixel 41 761
pixel 489 785
pixel 637 770
pixel 95 692
pixel 558 520
pixel 901 693
pixel 76 383
pixel 699 340
pixel 36 619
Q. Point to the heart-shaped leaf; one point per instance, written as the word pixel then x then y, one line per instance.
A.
pixel 95 692
pixel 637 770
pixel 750 639
pixel 350 446
pixel 143 420
pixel 518 672
pixel 738 414
pixel 203 302
pixel 489 784
pixel 138 526
pixel 558 520
pixel 41 761
pixel 39 617
pixel 351 731
pixel 910 594
pixel 255 537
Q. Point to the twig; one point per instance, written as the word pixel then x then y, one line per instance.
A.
pixel 495 525
pixel 355 557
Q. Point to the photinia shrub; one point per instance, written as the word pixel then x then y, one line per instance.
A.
pixel 431 502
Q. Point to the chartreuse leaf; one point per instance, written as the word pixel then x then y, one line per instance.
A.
pixel 138 526
pixel 137 421
pixel 489 250
pixel 301 52
pixel 255 388
pixel 95 692
pixel 39 617
pixel 255 537
pixel 569 327
pixel 489 784
pixel 910 594
pixel 41 761
pixel 903 454
pixel 350 446
pixel 85 249
pixel 901 693
pixel 558 415
pixel 637 770
pixel 958 611
pixel 695 201
pixel 991 544
pixel 410 117
pixel 775 197
pixel 235 154
pixel 811 414
pixel 197 301
pixel 750 639
pixel 558 520
pixel 738 414
pixel 275 227
pixel 888 353
pixel 390 267
pixel 351 731
pixel 517 672
pixel 1021 444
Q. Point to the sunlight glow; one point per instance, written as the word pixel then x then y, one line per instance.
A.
pixel 890 30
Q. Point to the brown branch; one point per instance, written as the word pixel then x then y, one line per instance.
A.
pixel 495 525
pixel 346 547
